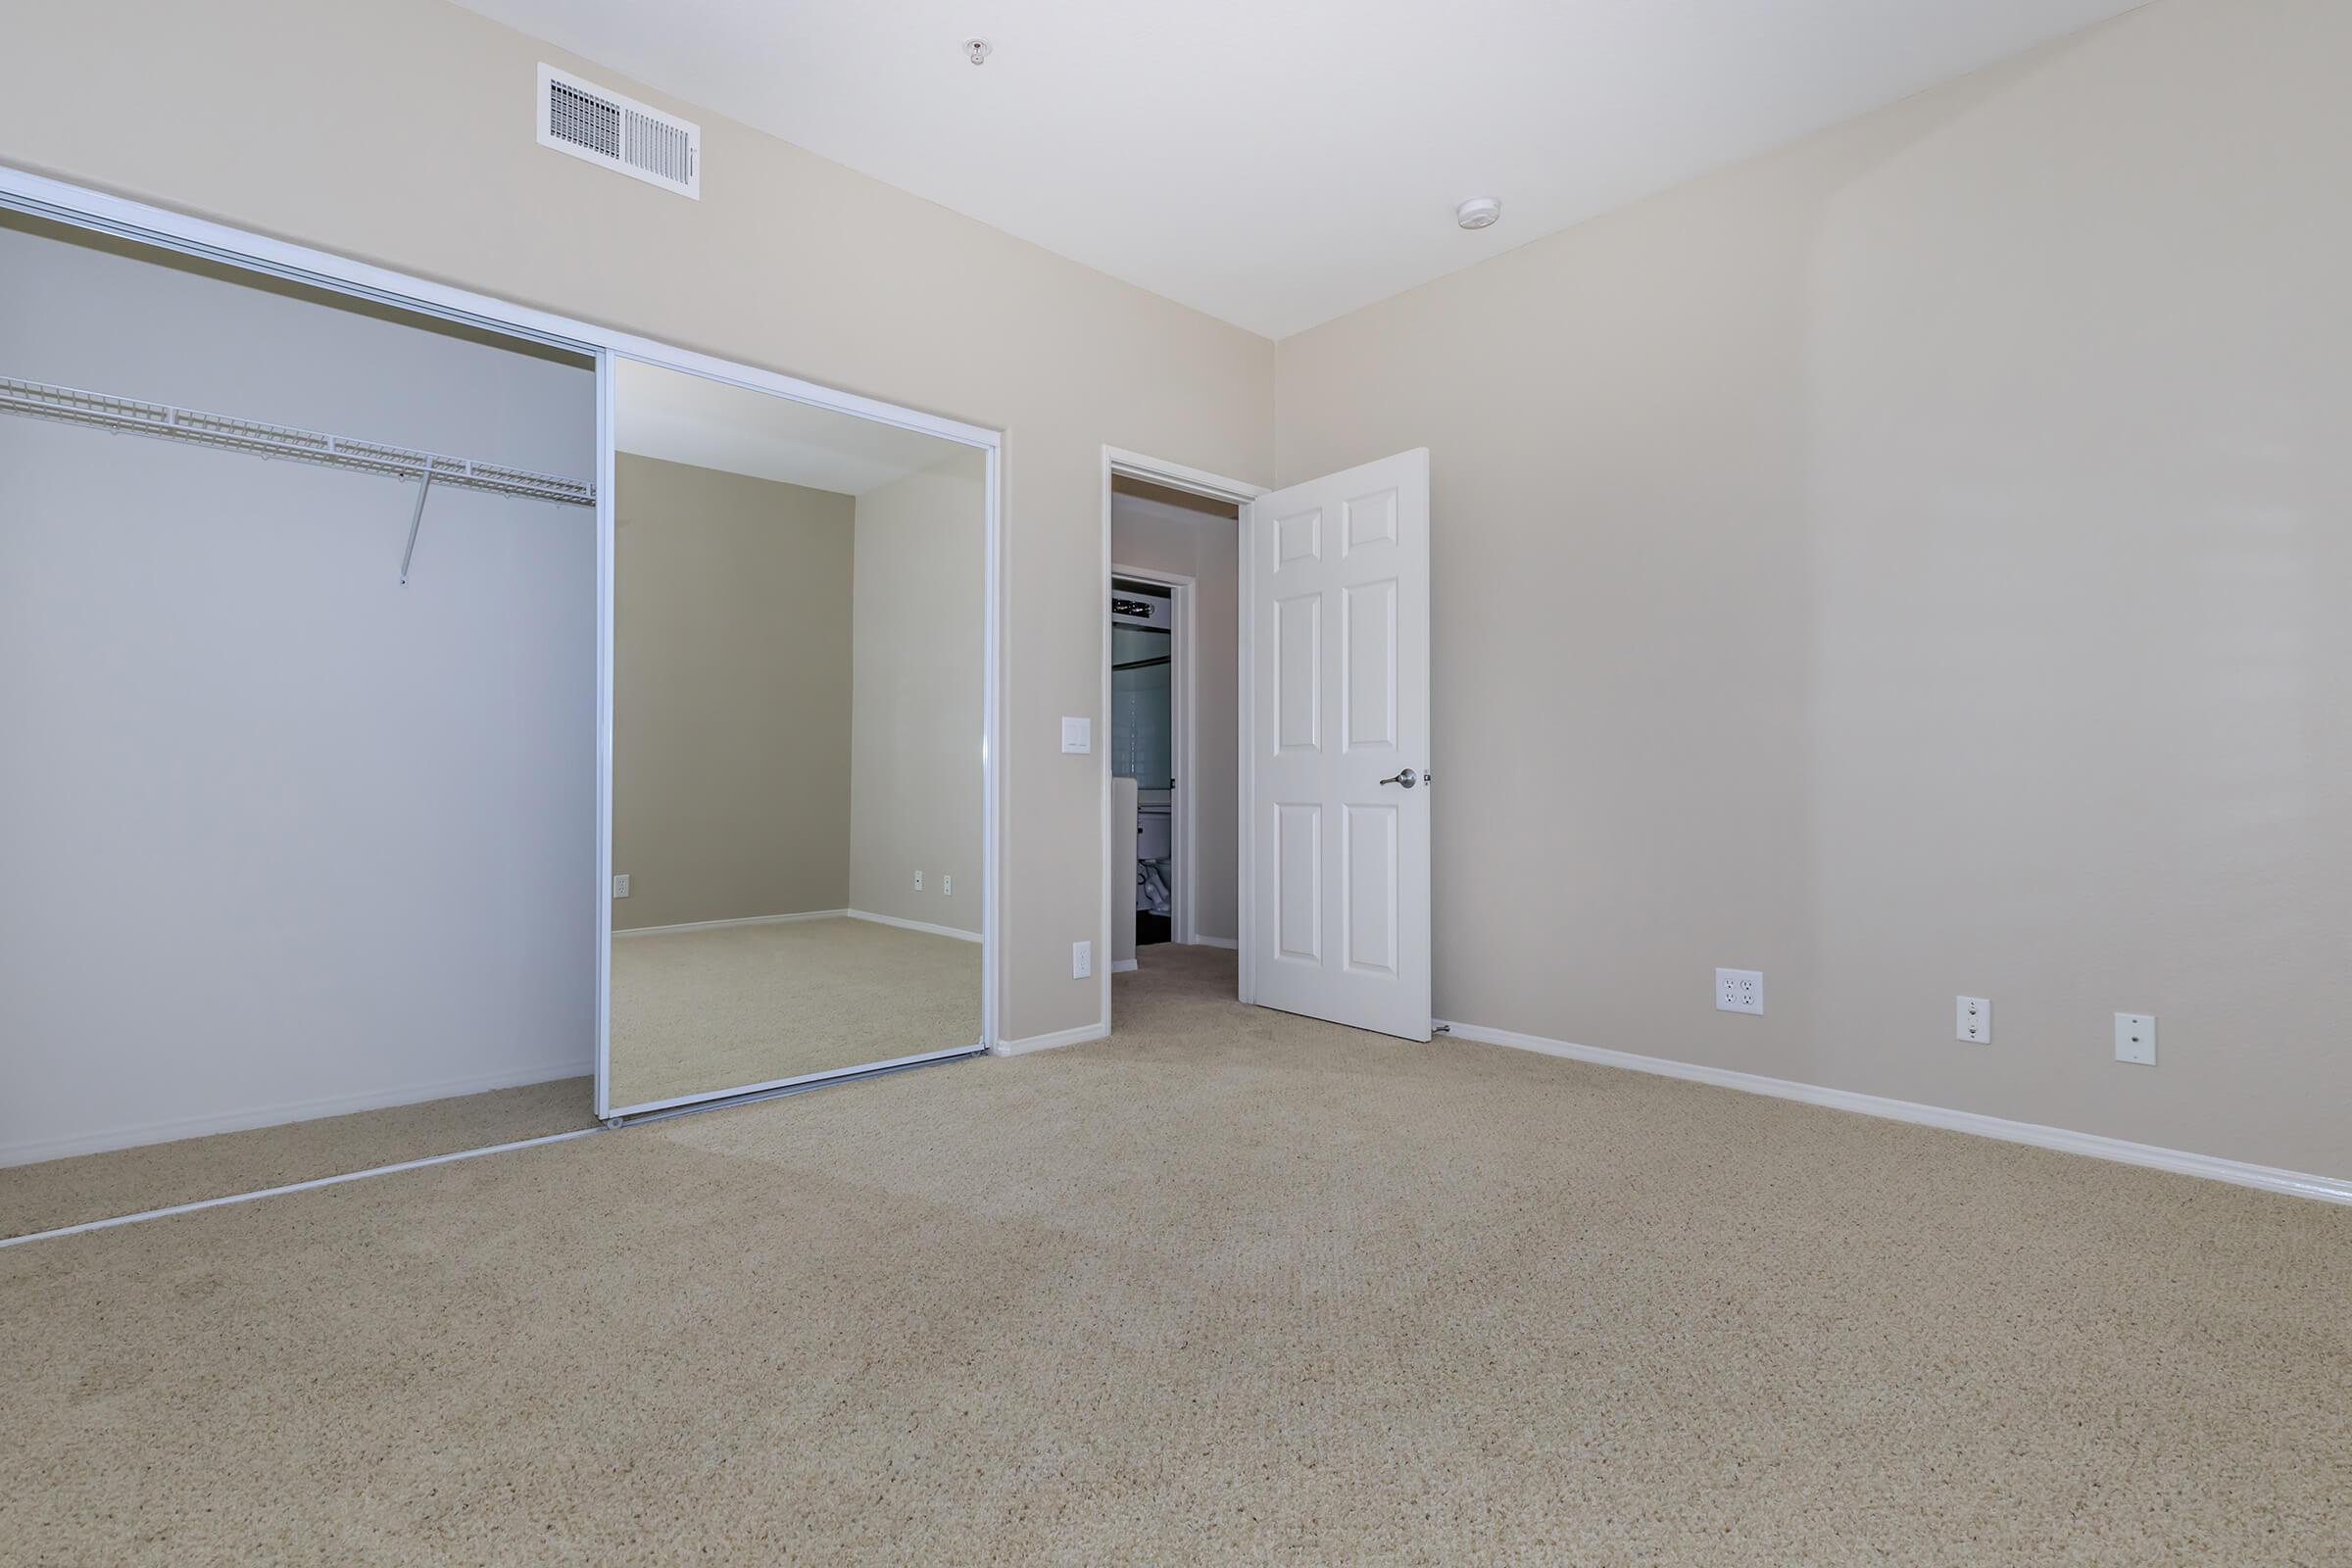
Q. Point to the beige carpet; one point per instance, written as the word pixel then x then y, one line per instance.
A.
pixel 1231 1286
pixel 694 1011
pixel 129 1181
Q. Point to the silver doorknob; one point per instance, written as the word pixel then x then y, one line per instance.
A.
pixel 1408 778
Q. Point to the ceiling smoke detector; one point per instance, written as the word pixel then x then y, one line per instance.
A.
pixel 976 50
pixel 1479 212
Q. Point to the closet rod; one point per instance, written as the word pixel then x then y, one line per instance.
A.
pixel 105 413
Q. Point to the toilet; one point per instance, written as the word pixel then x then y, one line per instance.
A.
pixel 1154 833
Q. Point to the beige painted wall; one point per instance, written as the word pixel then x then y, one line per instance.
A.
pixel 1152 529
pixel 1914 564
pixel 915 784
pixel 249 111
pixel 730 694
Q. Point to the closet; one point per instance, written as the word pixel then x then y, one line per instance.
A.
pixel 434 725
pixel 298 632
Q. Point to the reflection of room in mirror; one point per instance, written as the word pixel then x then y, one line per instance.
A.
pixel 798 653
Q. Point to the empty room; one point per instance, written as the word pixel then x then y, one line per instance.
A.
pixel 959 783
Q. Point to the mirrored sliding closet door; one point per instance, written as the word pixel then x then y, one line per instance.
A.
pixel 798 789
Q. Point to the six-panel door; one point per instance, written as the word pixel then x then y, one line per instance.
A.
pixel 1339 866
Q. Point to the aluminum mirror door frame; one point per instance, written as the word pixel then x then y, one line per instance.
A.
pixel 990 444
pixel 82 206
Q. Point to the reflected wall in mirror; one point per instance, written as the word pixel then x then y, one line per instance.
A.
pixel 798 786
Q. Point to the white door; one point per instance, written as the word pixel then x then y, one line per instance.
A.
pixel 1337 585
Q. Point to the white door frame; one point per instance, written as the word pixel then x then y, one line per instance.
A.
pixel 158 227
pixel 1184 822
pixel 1240 492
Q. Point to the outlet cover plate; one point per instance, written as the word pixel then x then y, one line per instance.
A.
pixel 621 885
pixel 1082 959
pixel 1738 991
pixel 2136 1038
pixel 1972 1019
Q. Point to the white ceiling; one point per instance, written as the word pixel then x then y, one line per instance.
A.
pixel 1278 162
pixel 659 412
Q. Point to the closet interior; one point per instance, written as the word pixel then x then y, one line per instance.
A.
pixel 290 839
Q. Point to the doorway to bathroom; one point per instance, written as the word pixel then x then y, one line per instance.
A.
pixel 1172 712
pixel 1145 731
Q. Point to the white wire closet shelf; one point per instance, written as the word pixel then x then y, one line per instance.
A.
pixel 109 412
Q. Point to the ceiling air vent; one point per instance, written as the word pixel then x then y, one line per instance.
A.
pixel 588 122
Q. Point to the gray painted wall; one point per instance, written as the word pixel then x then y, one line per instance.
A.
pixel 283 836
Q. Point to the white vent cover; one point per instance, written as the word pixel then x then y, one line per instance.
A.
pixel 589 121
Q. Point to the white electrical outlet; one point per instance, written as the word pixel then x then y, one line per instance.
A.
pixel 1974 1019
pixel 620 885
pixel 947 887
pixel 919 881
pixel 2136 1038
pixel 1738 991
pixel 1082 959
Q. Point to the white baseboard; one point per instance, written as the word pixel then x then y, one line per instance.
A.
pixel 1230 943
pixel 914 925
pixel 1060 1037
pixel 715 925
pixel 35 1150
pixel 1122 966
pixel 2328 1188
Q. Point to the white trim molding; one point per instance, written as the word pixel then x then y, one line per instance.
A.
pixel 1059 1038
pixel 298 1187
pixel 1229 944
pixel 807 1079
pixel 2268 1178
pixel 717 925
pixel 914 925
pixel 33 1151
pixel 86 208
pixel 1122 966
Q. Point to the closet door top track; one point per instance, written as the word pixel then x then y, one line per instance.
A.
pixel 109 412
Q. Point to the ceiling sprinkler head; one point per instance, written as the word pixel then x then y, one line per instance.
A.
pixel 976 50
pixel 1479 212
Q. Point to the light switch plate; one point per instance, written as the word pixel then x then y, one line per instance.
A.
pixel 1973 1019
pixel 2136 1038
pixel 1077 734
